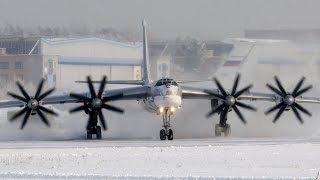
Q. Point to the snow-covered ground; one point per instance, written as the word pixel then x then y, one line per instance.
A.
pixel 218 158
pixel 131 149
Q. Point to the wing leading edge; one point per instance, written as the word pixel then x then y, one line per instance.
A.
pixel 128 94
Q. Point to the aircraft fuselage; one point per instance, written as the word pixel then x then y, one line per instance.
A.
pixel 165 94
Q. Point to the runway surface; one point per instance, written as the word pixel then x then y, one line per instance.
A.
pixel 221 141
pixel 212 158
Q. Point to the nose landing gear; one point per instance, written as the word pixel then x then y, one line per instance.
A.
pixel 166 132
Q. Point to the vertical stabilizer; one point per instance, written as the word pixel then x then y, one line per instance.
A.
pixel 146 66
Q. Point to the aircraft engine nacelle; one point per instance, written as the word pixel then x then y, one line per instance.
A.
pixel 215 103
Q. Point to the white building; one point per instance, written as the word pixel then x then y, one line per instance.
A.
pixel 78 58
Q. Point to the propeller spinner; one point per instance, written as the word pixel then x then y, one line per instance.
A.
pixel 289 99
pixel 32 104
pixel 96 103
pixel 230 100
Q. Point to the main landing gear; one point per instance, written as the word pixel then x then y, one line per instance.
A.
pixel 222 127
pixel 93 128
pixel 166 132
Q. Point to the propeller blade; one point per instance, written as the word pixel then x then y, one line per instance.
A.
pixel 80 97
pixel 112 98
pixel 43 117
pixel 18 114
pixel 239 114
pixel 245 106
pixel 91 88
pixel 79 108
pixel 275 90
pixel 235 85
pixel 243 90
pixel 102 85
pixel 39 89
pixel 295 111
pixel 274 108
pixel 279 114
pixel 113 108
pixel 298 86
pixel 102 120
pixel 302 109
pixel 25 94
pixel 25 119
pixel 49 111
pixel 213 94
pixel 219 108
pixel 45 94
pixel 280 85
pixel 17 97
pixel 303 90
pixel 224 93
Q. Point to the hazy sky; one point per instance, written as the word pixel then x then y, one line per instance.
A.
pixel 167 18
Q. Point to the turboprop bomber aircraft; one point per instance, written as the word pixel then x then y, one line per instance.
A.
pixel 163 97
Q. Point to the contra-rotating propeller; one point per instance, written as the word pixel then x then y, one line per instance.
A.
pixel 289 99
pixel 229 100
pixel 32 104
pixel 96 103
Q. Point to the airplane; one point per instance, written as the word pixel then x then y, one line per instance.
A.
pixel 163 97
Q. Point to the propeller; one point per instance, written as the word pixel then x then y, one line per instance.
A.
pixel 95 104
pixel 229 100
pixel 289 99
pixel 32 104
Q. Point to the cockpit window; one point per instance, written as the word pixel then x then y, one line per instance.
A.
pixel 166 82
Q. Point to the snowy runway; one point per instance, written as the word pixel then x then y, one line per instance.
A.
pixel 219 158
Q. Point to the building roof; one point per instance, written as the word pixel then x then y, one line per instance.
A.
pixel 99 61
pixel 58 41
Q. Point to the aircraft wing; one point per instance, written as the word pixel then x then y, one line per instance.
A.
pixel 223 100
pixel 128 94
pixel 126 82
pixel 198 93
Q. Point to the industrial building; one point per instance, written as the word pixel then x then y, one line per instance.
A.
pixel 63 61
pixel 27 68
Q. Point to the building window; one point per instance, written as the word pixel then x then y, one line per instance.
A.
pixel 18 65
pixel 4 65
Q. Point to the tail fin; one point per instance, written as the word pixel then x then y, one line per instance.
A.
pixel 146 66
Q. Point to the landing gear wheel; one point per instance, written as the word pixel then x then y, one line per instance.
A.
pixel 163 135
pixel 170 135
pixel 217 130
pixel 89 134
pixel 227 130
pixel 98 133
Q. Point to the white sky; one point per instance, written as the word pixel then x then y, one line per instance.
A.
pixel 167 18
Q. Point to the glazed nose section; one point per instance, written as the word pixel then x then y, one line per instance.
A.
pixel 171 91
